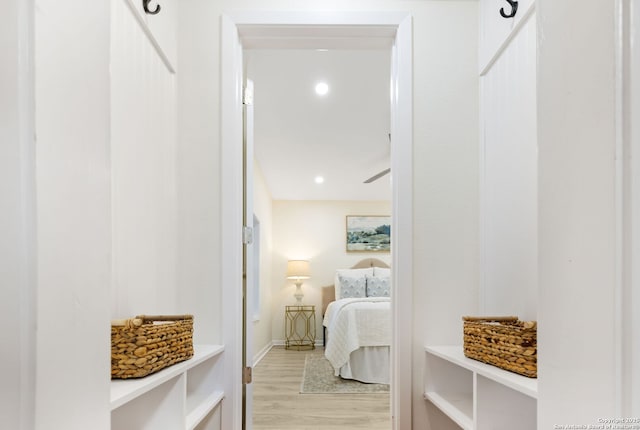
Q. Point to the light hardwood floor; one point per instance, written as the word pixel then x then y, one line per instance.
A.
pixel 278 404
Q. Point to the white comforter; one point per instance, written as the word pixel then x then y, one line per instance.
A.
pixel 354 323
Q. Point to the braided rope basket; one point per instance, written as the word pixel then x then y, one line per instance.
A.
pixel 504 342
pixel 146 344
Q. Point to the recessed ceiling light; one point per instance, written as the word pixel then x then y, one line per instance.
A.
pixel 322 50
pixel 319 179
pixel 322 88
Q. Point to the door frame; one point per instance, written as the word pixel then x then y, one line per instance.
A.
pixel 283 25
pixel 18 170
pixel 628 205
pixel 634 287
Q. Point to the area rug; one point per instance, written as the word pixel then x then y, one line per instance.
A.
pixel 318 378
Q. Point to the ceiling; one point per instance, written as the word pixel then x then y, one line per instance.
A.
pixel 342 136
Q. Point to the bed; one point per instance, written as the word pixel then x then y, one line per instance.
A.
pixel 357 325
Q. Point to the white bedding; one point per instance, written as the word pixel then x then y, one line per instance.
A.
pixel 356 323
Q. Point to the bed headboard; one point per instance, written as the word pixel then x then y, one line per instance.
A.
pixel 329 292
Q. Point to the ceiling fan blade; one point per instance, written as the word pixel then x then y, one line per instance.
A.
pixel 377 176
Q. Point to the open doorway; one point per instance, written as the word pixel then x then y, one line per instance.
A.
pixel 248 29
pixel 301 136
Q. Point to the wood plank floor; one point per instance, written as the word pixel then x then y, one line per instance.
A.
pixel 278 404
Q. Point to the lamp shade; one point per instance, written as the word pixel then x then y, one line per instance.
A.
pixel 298 269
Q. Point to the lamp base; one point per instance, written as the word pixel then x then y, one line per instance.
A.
pixel 298 294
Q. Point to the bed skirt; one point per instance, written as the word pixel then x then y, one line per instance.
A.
pixel 368 364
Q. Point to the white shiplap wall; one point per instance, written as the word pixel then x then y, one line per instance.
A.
pixel 580 234
pixel 509 179
pixel 496 32
pixel 143 160
pixel 73 220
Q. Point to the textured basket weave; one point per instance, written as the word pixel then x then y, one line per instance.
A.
pixel 504 342
pixel 146 344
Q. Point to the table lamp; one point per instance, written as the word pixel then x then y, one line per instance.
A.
pixel 298 270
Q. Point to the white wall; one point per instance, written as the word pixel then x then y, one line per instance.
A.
pixel 585 220
pixel 73 214
pixel 313 230
pixel 509 195
pixel 577 245
pixel 143 169
pixel 106 161
pixel 263 209
pixel 74 184
pixel 198 162
pixel 17 212
pixel 578 250
pixel 445 153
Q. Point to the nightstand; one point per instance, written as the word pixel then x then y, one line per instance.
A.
pixel 300 327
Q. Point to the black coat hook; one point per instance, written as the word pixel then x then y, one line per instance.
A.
pixel 145 5
pixel 514 9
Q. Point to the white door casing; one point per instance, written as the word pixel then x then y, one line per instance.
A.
pixel 635 142
pixel 399 28
pixel 628 88
pixel 231 174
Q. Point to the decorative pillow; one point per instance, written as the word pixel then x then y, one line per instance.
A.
pixel 378 286
pixel 352 287
pixel 381 272
pixel 350 273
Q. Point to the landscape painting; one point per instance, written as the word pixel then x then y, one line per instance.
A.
pixel 368 233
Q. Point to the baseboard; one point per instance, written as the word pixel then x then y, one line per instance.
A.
pixel 260 355
pixel 278 342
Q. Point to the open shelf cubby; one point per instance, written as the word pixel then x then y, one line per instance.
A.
pixel 183 396
pixel 478 396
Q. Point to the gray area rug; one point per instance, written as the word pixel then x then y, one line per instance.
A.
pixel 318 378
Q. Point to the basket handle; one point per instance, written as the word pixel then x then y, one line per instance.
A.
pixel 130 322
pixel 500 319
pixel 146 318
pixel 141 319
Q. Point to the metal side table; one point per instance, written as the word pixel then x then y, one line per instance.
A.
pixel 300 327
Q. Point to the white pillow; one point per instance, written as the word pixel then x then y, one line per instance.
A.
pixel 350 273
pixel 378 286
pixel 353 287
pixel 381 272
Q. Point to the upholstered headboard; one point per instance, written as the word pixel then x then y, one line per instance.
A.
pixel 329 292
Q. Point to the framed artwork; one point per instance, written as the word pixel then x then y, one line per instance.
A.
pixel 368 233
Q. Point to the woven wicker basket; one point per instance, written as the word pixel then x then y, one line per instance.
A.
pixel 146 344
pixel 504 342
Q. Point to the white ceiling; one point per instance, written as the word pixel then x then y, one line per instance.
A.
pixel 342 136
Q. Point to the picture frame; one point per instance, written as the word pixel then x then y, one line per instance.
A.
pixel 368 233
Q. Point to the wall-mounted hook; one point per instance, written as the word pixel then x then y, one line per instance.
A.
pixel 145 5
pixel 514 9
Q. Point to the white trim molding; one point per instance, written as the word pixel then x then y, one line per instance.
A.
pixel 271 30
pixel 232 172
pixel 153 39
pixel 628 206
pixel 402 226
pixel 18 247
pixel 634 285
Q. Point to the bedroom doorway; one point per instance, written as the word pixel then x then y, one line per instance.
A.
pixel 251 29
pixel 297 135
